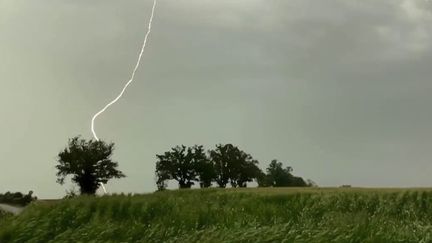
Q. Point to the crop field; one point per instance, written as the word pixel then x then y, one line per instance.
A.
pixel 4 216
pixel 230 215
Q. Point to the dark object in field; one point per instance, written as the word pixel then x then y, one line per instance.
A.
pixel 17 198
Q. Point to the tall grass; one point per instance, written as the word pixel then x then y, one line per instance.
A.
pixel 271 215
pixel 4 216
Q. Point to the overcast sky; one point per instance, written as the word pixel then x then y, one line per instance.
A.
pixel 338 89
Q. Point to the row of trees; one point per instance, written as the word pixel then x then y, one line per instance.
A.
pixel 226 164
pixel 278 176
pixel 17 198
pixel 89 165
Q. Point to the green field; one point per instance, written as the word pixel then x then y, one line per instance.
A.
pixel 4 216
pixel 241 215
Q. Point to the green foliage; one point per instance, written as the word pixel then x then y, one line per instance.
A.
pixel 17 198
pixel 89 163
pixel 277 176
pixel 206 172
pixel 71 193
pixel 233 166
pixel 185 165
pixel 234 215
pixel 4 216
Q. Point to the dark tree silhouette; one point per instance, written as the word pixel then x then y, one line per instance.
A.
pixel 205 170
pixel 263 180
pixel 17 198
pixel 89 163
pixel 277 176
pixel 220 160
pixel 161 183
pixel 226 164
pixel 185 165
pixel 233 166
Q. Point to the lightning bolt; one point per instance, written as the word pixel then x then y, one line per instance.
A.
pixel 128 83
pixel 132 76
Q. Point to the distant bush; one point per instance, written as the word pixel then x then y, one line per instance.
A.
pixel 278 176
pixel 17 198
pixel 72 193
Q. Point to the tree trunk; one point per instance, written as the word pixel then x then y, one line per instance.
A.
pixel 184 185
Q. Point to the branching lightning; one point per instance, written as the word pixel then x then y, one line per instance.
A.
pixel 132 76
pixel 128 83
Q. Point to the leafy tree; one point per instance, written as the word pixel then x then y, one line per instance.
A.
pixel 205 171
pixel 17 198
pixel 263 180
pixel 298 182
pixel 233 166
pixel 247 171
pixel 89 163
pixel 161 184
pixel 277 176
pixel 185 165
pixel 220 159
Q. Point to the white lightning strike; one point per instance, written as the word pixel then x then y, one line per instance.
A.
pixel 103 187
pixel 132 76
pixel 128 83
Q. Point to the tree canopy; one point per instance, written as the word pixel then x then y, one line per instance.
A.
pixel 225 164
pixel 185 165
pixel 233 166
pixel 277 176
pixel 88 162
pixel 17 198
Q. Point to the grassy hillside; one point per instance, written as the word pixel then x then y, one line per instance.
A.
pixel 4 216
pixel 248 215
